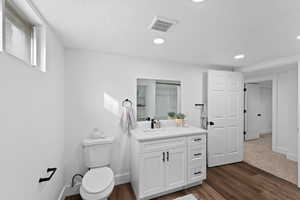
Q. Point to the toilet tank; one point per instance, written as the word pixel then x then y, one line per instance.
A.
pixel 97 152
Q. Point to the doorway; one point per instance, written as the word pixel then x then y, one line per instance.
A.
pixel 258 109
pixel 261 148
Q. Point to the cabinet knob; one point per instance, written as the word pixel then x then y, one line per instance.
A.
pixel 164 157
pixel 197 139
pixel 196 173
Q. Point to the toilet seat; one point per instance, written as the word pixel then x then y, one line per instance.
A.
pixel 97 184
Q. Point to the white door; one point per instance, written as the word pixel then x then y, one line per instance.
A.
pixel 253 108
pixel 225 117
pixel 175 168
pixel 152 173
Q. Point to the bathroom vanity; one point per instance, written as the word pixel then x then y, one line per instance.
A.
pixel 167 159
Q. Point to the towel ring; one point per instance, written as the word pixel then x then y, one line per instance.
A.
pixel 126 101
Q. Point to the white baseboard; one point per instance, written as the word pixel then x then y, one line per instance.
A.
pixel 67 190
pixel 289 156
pixel 267 131
pixel 292 157
pixel 281 150
pixel 62 193
pixel 252 137
pixel 122 178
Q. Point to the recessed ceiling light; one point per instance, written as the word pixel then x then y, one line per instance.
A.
pixel 158 41
pixel 298 37
pixel 239 56
pixel 198 1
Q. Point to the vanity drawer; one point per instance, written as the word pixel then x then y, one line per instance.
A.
pixel 197 140
pixel 197 152
pixel 197 172
pixel 163 144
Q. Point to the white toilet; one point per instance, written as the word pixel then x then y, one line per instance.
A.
pixel 98 182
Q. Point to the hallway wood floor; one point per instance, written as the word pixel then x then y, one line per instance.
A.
pixel 239 181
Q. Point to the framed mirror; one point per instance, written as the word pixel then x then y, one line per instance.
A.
pixel 157 98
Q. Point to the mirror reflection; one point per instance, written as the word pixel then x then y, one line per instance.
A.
pixel 157 98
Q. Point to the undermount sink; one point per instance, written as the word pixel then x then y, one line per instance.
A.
pixel 158 130
pixel 162 130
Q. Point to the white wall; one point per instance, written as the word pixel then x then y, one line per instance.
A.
pixel 285 97
pixel 292 102
pixel 32 125
pixel 283 113
pixel 287 112
pixel 95 86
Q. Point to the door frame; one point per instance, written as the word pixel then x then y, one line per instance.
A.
pixel 272 78
pixel 279 63
pixel 246 126
pixel 298 142
pixel 275 111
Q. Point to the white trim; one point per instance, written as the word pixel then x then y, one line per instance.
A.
pixel 67 190
pixel 273 78
pixel 298 143
pixel 292 157
pixel 265 132
pixel 281 150
pixel 2 25
pixel 259 79
pixel 122 178
pixel 274 111
pixel 31 11
pixel 247 138
pixel 270 64
pixel 62 193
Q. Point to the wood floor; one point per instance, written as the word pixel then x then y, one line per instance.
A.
pixel 230 182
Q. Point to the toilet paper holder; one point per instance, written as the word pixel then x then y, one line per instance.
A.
pixel 52 170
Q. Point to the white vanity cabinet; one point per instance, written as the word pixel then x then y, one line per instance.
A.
pixel 152 173
pixel 159 166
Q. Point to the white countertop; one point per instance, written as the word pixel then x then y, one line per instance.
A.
pixel 165 133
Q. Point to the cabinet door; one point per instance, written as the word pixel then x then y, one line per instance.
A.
pixel 152 173
pixel 176 168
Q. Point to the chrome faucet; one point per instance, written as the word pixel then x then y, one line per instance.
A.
pixel 155 123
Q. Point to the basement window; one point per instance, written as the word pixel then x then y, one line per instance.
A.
pixel 23 34
pixel 19 35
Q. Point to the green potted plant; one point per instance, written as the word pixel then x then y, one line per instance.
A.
pixel 172 115
pixel 180 119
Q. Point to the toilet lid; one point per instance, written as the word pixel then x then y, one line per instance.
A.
pixel 97 180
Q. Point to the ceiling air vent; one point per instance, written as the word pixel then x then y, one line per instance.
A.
pixel 162 24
